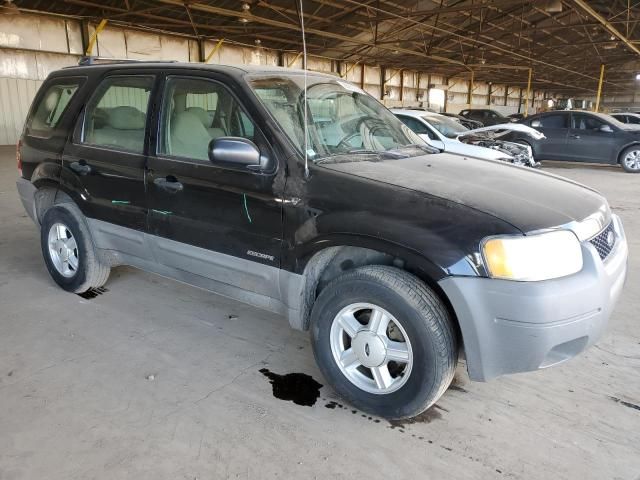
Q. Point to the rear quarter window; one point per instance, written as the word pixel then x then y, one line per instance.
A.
pixel 51 105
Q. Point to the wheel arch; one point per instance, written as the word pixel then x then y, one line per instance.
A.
pixel 331 259
pixel 624 148
pixel 48 193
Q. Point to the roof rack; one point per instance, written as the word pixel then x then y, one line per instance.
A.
pixel 91 60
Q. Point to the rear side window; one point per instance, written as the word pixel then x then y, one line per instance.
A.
pixel 116 115
pixel 557 120
pixel 53 104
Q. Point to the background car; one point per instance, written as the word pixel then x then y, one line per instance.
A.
pixel 443 133
pixel 516 117
pixel 470 124
pixel 485 116
pixel 580 136
pixel 627 117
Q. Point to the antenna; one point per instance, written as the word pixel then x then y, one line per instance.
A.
pixel 304 67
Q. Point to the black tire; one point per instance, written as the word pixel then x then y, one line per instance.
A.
pixel 425 319
pixel 90 272
pixel 625 152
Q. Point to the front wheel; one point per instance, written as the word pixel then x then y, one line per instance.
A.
pixel 630 159
pixel 384 341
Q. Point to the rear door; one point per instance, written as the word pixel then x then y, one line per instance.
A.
pixel 215 222
pixel 555 127
pixel 587 142
pixel 105 160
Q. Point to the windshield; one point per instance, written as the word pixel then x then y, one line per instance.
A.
pixel 341 118
pixel 446 126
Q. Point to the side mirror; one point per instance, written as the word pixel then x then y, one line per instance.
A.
pixel 605 128
pixel 536 124
pixel 237 153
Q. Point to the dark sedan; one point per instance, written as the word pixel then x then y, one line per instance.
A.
pixel 485 116
pixel 470 124
pixel 580 136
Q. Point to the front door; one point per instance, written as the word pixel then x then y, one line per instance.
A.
pixel 106 157
pixel 218 223
pixel 587 142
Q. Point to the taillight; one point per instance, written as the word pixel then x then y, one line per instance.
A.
pixel 19 156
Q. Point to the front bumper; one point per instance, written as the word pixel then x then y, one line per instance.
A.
pixel 509 327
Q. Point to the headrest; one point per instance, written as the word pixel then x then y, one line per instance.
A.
pixel 126 118
pixel 202 115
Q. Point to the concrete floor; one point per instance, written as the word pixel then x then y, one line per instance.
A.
pixel 77 400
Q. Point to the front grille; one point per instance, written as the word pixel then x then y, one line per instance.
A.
pixel 603 241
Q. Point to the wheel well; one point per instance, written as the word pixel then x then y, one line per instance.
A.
pixel 332 262
pixel 47 196
pixel 624 149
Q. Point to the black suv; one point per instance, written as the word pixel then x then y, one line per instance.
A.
pixel 580 136
pixel 394 257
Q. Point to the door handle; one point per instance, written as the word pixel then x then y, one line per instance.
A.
pixel 80 167
pixel 168 184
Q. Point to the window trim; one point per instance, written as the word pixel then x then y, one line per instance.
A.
pixel 78 131
pixel 159 125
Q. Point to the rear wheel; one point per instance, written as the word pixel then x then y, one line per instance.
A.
pixel 384 341
pixel 630 159
pixel 68 250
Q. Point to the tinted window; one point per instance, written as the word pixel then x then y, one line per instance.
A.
pixel 586 122
pixel 53 104
pixel 197 111
pixel 414 124
pixel 554 120
pixel 117 113
pixel 633 120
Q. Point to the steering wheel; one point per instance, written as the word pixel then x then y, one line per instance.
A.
pixel 345 140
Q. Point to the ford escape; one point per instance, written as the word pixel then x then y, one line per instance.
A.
pixel 396 258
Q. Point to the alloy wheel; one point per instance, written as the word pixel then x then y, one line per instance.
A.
pixel 63 250
pixel 371 348
pixel 632 160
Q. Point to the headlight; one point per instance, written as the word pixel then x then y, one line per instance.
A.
pixel 534 257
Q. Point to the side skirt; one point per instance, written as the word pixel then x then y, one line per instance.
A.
pixel 253 283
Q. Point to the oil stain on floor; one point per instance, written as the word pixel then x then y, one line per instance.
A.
pixel 298 388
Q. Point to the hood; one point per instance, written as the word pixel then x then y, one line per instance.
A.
pixel 528 199
pixel 495 131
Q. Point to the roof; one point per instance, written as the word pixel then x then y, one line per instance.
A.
pixel 229 69
pixel 416 113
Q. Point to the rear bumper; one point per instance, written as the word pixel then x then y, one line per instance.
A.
pixel 511 327
pixel 27 193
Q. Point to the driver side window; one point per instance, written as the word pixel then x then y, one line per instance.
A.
pixel 586 122
pixel 195 112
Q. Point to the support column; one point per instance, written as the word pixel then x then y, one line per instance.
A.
pixel 526 105
pixel 470 91
pixel 599 88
